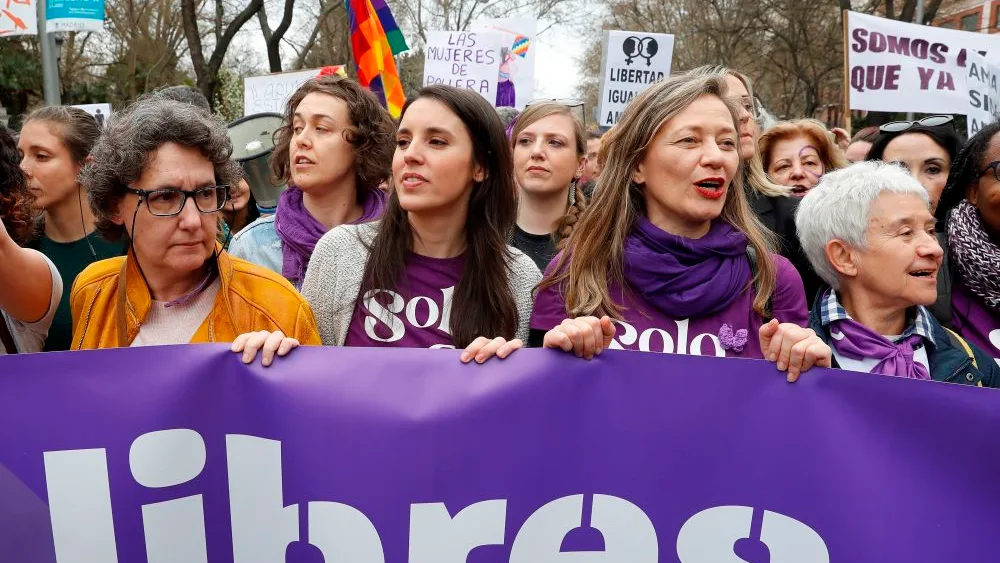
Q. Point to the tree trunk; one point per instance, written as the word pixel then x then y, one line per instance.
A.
pixel 207 72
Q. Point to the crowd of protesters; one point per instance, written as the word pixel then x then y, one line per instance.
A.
pixel 686 228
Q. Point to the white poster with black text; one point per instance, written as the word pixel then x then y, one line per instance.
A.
pixel 632 61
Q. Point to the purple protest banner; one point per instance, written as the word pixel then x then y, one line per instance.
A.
pixel 172 454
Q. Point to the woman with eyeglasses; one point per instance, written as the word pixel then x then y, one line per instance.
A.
pixel 55 143
pixel 675 256
pixel 159 177
pixel 773 204
pixel 550 151
pixel 30 285
pixel 926 148
pixel 969 223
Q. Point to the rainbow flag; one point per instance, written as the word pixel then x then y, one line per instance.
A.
pixel 375 38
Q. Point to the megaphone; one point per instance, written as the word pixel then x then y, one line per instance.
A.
pixel 253 142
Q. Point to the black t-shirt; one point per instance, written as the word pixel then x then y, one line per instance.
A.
pixel 540 248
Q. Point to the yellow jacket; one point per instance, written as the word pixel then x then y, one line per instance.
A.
pixel 107 313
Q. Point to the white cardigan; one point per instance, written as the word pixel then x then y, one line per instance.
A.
pixel 337 266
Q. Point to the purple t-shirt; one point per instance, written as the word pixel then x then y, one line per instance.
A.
pixel 416 314
pixel 729 333
pixel 972 319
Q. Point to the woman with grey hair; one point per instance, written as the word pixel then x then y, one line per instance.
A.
pixel 160 174
pixel 879 254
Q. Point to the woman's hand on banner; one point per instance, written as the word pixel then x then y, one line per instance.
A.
pixel 267 343
pixel 484 348
pixel 794 349
pixel 584 336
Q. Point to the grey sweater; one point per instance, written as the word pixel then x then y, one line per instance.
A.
pixel 333 280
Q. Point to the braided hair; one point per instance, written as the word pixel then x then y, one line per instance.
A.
pixel 965 170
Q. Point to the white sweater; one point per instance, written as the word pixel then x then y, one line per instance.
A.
pixel 337 266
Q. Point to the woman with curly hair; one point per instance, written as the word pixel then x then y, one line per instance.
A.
pixel 159 177
pixel 550 151
pixel 30 286
pixel 333 152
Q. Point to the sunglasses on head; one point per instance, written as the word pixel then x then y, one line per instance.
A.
pixel 575 105
pixel 932 121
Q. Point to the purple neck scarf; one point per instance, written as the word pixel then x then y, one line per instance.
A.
pixel 299 231
pixel 856 341
pixel 685 277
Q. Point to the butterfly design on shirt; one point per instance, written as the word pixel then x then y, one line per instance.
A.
pixel 730 340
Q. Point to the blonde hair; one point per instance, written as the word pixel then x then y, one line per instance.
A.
pixel 756 176
pixel 829 152
pixel 594 253
pixel 536 112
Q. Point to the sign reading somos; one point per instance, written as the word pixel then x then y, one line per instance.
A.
pixel 895 66
pixel 632 61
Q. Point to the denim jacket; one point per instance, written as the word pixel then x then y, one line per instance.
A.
pixel 259 244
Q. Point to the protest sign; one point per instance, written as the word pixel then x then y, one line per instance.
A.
pixel 984 95
pixel 895 66
pixel 269 93
pixel 516 79
pixel 101 112
pixel 19 18
pixel 632 61
pixel 182 453
pixel 464 59
pixel 74 15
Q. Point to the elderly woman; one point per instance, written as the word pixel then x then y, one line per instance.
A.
pixel 160 175
pixel 880 255
pixel 797 153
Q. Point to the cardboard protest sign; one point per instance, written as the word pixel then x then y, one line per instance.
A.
pixel 464 59
pixel 101 112
pixel 984 95
pixel 19 17
pixel 516 81
pixel 269 93
pixel 895 66
pixel 632 61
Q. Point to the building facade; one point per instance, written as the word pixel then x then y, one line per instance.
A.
pixel 969 15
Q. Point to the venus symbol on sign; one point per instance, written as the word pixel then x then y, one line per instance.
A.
pixel 636 47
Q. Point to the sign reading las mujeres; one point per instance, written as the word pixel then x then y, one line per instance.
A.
pixel 378 456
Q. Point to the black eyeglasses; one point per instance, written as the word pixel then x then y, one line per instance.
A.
pixel 992 166
pixel 932 121
pixel 168 202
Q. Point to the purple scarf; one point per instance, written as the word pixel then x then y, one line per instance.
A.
pixel 299 231
pixel 685 277
pixel 857 341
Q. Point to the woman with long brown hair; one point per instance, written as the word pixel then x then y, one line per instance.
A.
pixel 55 144
pixel 550 150
pixel 435 270
pixel 671 250
pixel 30 286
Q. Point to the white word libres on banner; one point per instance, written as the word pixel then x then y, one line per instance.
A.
pixel 895 66
pixel 632 61
pixel 464 59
